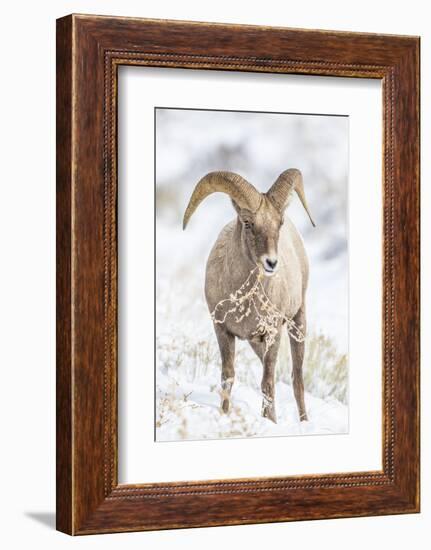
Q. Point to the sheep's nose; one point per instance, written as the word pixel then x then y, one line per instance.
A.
pixel 271 263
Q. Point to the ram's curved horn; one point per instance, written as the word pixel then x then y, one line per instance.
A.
pixel 238 188
pixel 288 181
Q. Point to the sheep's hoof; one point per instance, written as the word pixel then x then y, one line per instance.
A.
pixel 303 417
pixel 225 405
pixel 268 411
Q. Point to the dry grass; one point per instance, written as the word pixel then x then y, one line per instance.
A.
pixel 325 369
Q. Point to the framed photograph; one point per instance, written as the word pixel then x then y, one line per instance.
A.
pixel 237 274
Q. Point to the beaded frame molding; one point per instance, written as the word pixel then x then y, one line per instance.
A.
pixel 89 51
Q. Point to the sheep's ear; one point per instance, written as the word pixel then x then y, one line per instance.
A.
pixel 235 205
pixel 243 213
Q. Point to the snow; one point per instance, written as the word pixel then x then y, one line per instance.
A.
pixel 195 413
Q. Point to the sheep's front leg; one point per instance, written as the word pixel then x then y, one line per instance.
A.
pixel 297 352
pixel 226 342
pixel 269 360
pixel 268 381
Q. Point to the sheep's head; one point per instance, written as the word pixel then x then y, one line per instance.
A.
pixel 260 233
pixel 260 214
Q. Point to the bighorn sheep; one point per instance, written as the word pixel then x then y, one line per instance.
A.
pixel 257 271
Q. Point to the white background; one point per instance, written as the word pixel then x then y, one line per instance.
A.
pixel 141 458
pixel 27 405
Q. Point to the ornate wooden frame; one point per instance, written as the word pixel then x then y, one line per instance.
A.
pixel 89 51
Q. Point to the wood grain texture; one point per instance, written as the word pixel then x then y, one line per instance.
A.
pixel 90 49
pixel 64 496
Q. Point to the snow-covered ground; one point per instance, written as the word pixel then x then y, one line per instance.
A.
pixel 191 410
pixel 188 361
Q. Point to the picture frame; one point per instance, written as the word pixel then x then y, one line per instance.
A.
pixel 89 51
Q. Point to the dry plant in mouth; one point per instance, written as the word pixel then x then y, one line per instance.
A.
pixel 251 299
